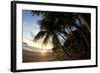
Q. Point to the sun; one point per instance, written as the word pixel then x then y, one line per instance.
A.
pixel 43 51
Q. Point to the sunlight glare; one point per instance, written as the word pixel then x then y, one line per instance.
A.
pixel 43 52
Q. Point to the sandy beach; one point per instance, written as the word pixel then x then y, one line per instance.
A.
pixel 31 56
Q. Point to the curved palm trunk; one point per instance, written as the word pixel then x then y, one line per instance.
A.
pixel 73 37
pixel 64 49
pixel 81 32
pixel 86 41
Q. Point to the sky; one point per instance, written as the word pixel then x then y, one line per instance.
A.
pixel 31 28
pixel 30 23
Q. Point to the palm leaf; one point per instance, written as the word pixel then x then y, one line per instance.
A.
pixel 41 34
pixel 46 38
pixel 55 40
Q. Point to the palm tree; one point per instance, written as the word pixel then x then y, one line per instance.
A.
pixel 55 24
pixel 83 34
pixel 49 29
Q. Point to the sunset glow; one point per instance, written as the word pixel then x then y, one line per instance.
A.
pixel 43 52
pixel 38 44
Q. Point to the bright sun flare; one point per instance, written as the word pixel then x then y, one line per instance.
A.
pixel 43 52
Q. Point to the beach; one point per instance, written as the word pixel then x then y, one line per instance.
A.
pixel 33 56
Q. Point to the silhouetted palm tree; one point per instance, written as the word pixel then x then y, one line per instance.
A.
pixel 56 24
pixel 50 29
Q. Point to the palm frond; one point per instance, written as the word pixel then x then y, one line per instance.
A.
pixel 68 42
pixel 55 40
pixel 37 13
pixel 45 41
pixel 41 34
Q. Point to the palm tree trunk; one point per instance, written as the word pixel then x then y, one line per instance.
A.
pixel 81 18
pixel 73 37
pixel 84 38
pixel 64 49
